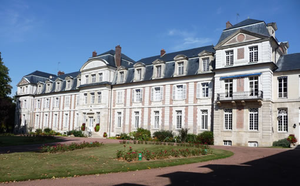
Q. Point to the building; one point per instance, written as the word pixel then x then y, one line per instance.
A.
pixel 240 89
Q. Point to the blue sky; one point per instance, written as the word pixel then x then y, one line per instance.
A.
pixel 52 35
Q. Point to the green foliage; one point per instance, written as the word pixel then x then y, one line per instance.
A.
pixel 183 134
pixel 163 135
pixel 206 137
pixel 76 133
pixel 47 130
pixel 70 147
pixel 124 136
pixel 38 131
pixel 142 134
pixel 191 138
pixel 7 115
pixel 282 143
pixel 5 87
pixel 97 127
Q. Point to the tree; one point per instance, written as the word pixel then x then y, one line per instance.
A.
pixel 5 87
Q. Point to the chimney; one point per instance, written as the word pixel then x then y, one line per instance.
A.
pixel 118 56
pixel 94 54
pixel 59 73
pixel 228 24
pixel 162 52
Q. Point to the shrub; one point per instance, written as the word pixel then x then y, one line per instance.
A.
pixel 83 127
pixel 38 131
pixel 292 139
pixel 206 137
pixel 282 143
pixel 70 147
pixel 97 127
pixel 76 133
pixel 191 138
pixel 47 130
pixel 142 134
pixel 124 136
pixel 163 135
pixel 183 134
pixel 104 134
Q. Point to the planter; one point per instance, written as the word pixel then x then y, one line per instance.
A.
pixel 97 127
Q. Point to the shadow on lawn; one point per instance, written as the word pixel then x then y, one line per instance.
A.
pixel 280 169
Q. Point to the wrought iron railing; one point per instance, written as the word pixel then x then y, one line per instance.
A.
pixel 248 95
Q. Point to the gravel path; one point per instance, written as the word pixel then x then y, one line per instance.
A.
pixel 248 166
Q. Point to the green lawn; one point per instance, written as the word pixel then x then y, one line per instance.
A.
pixel 24 140
pixel 32 165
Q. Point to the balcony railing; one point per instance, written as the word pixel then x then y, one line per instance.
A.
pixel 231 96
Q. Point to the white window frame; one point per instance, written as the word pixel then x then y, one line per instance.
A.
pixel 86 79
pixel 48 87
pixel 58 85
pixel 122 77
pixel 85 98
pixel 69 84
pixel 67 101
pixel 158 71
pixel 227 142
pixel 179 92
pixel 99 97
pixel 55 119
pixel 228 87
pixel 178 119
pixel 46 120
pixel 156 119
pixel 100 77
pixel 205 64
pixel 253 54
pixel 205 89
pixel 120 96
pixel 253 86
pixel 253 119
pixel 37 117
pixel 282 87
pixel 228 119
pixel 157 93
pixel 93 78
pixel 136 117
pixel 66 120
pixel 119 119
pixel 47 105
pixel 204 120
pixel 282 120
pixel 180 68
pixel 38 104
pixel 57 102
pixel 229 57
pixel 92 97
pixel 137 95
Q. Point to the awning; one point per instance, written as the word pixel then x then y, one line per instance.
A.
pixel 240 76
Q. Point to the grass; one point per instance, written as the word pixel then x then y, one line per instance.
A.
pixel 30 165
pixel 24 140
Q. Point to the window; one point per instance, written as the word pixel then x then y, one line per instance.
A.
pixel 253 86
pixel 119 96
pixel 38 103
pixel 136 119
pixel 282 120
pixel 37 118
pixel 139 74
pixel 282 87
pixel 137 95
pixel 55 121
pixel 67 101
pixel 178 119
pixel 92 98
pixel 46 120
pixel 180 68
pixel 252 144
pixel 39 89
pixel 205 88
pixel 93 78
pixel 66 120
pixel 204 119
pixel 47 103
pixel 205 64
pixel 253 54
pixel 57 102
pixel 228 119
pixel 99 97
pixel 68 84
pixel 179 92
pixel 229 58
pixel 253 119
pixel 227 143
pixel 48 87
pixel 86 79
pixel 100 77
pixel 58 86
pixel 77 99
pixel 121 77
pixel 98 117
pixel 158 71
pixel 85 98
pixel 119 119
pixel 228 88
pixel 157 93
pixel 156 119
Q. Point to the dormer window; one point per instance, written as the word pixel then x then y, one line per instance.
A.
pixel 180 65
pixel 158 71
pixel 180 68
pixel 121 77
pixel 93 78
pixel 139 71
pixel 48 87
pixel 139 74
pixel 58 86
pixel 69 84
pixel 205 64
pixel 100 77
pixel 229 58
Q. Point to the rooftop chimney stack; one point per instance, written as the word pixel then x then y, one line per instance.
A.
pixel 162 52
pixel 118 56
pixel 228 24
pixel 94 54
pixel 59 73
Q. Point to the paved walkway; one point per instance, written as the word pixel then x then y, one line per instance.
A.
pixel 248 166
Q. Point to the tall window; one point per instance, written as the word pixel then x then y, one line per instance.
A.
pixel 85 98
pixel 136 119
pixel 38 103
pixel 253 86
pixel 66 121
pixel 25 104
pixel 229 58
pixel 121 77
pixel 100 77
pixel 282 120
pixel 99 97
pixel 253 119
pixel 228 119
pixel 137 95
pixel 77 99
pixel 68 84
pixel 56 102
pixel 204 90
pixel 47 103
pixel 204 119
pixel 156 119
pixel 58 86
pixel 139 74
pixel 86 79
pixel 98 117
pixel 179 92
pixel 180 68
pixel 48 87
pixel 55 121
pixel 158 71
pixel 282 87
pixel 67 101
pixel 92 98
pixel 119 119
pixel 157 93
pixel 205 64
pixel 93 78
pixel 253 54
pixel 228 88
pixel 119 96
pixel 37 118
pixel 46 120
pixel 178 119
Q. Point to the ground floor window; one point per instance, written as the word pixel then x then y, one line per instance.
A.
pixel 227 143
pixel 178 119
pixel 253 119
pixel 204 119
pixel 156 119
pixel 228 119
pixel 66 120
pixel 282 120
pixel 37 118
pixel 119 119
pixel 136 119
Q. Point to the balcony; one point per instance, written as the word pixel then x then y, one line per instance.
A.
pixel 240 96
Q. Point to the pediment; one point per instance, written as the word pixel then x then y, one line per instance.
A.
pixel 24 81
pixel 180 57
pixel 121 68
pixel 205 53
pixel 158 61
pixel 139 64
pixel 69 78
pixel 93 64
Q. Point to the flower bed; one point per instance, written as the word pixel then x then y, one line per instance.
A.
pixel 68 147
pixel 130 155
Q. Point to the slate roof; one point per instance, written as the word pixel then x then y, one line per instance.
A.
pixel 288 62
pixel 251 25
pixel 109 57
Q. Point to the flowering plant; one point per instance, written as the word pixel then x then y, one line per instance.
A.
pixel 292 139
pixel 83 127
pixel 104 134
pixel 97 127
